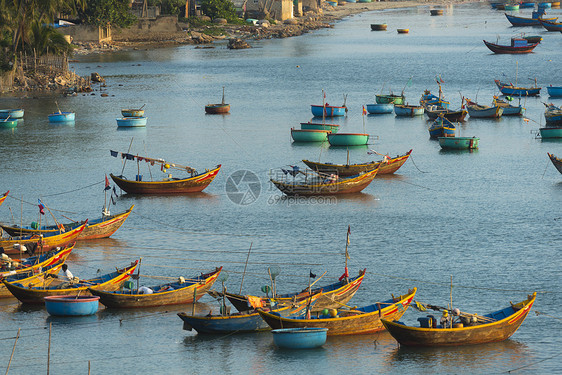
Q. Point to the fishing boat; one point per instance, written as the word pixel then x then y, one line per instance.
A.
pixel 333 128
pixel 328 110
pixel 377 109
pixel 544 5
pixel 483 111
pixel 551 25
pixel 403 31
pixel 553 115
pixel 509 89
pixel 436 12
pixel 299 338
pixel 348 139
pixel 41 287
pixel 71 305
pixel 532 38
pixel 390 98
pixel 309 135
pixel 378 26
pixel 320 184
pixel 441 127
pixel 535 20
pixel 59 116
pixel 37 244
pixel 28 276
pixel 527 4
pixel 511 7
pixel 34 264
pixel 508 109
pixel 428 99
pixel 556 161
pixel 178 292
pixel 219 108
pixel 332 296
pixel 408 110
pixel 103 227
pixel 139 112
pixel 458 143
pixel 433 112
pixel 11 113
pixel 240 322
pixel 554 91
pixel 550 132
pixel 346 321
pixel 500 6
pixel 131 122
pixel 3 197
pixel 8 123
pixel 194 183
pixel 517 46
pixel 471 329
pixel 388 165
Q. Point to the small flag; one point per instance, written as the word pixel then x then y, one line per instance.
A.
pixel 348 234
pixel 41 207
pixel 112 200
pixel 364 111
pixel 113 153
pixel 324 93
pixel 114 191
pixel 312 275
pixel 107 186
pixel 441 80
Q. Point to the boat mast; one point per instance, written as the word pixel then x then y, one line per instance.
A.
pixel 223 95
pixel 125 162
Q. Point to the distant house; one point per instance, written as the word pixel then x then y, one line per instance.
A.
pixel 276 9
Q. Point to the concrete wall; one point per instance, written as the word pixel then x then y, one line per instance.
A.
pixel 87 33
pixel 277 9
pixel 144 28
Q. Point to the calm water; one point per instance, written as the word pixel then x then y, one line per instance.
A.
pixel 490 218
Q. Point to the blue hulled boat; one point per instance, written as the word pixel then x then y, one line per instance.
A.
pixel 441 127
pixel 554 91
pixel 328 110
pixel 553 115
pixel 300 338
pixel 129 122
pixel 11 113
pixel 61 116
pixel 377 109
pixel 509 89
pixel 72 305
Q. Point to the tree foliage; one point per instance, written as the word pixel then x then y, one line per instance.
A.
pixel 173 7
pixel 102 12
pixel 219 9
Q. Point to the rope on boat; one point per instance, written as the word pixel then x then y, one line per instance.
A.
pixel 72 191
pixel 416 165
pixel 550 316
pixel 35 204
pixel 531 364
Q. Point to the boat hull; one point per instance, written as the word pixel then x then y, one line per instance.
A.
pixel 490 112
pixel 216 109
pixel 47 243
pixel 389 99
pixel 62 117
pixel 377 109
pixel 408 110
pixel 458 143
pixel 517 91
pixel 378 26
pixel 554 132
pixel 319 126
pixel 3 197
pixel 299 338
pixel 131 122
pixel 327 111
pixel 554 91
pixel 388 167
pixel 11 113
pixel 8 123
pixel 556 161
pixel 241 323
pixel 132 112
pixel 450 115
pixel 503 49
pixel 71 305
pixel 348 139
pixel 309 135
pixel 193 184
pixel 551 25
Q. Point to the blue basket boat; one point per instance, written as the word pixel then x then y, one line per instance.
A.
pixel 554 91
pixel 61 117
pixel 71 305
pixel 377 109
pixel 131 122
pixel 327 110
pixel 11 113
pixel 300 338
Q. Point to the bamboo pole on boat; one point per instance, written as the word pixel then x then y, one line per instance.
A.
pixel 13 350
pixel 49 348
pixel 125 162
pixel 245 266
pixel 451 294
pixel 54 218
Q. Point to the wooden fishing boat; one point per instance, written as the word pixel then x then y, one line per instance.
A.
pixel 509 89
pixel 194 183
pixel 550 132
pixel 553 115
pixel 535 20
pixel 328 110
pixel 26 277
pixel 495 326
pixel 71 305
pixel 8 123
pixel 508 109
pixel 483 111
pixel 131 122
pixel 34 264
pixel 458 143
pixel 388 166
pixel 240 322
pixel 61 117
pixel 441 127
pixel 517 46
pixel 354 321
pixel 377 109
pixel 174 293
pixel 333 296
pixel 132 112
pixel 326 185
pixel 436 12
pixel 428 99
pixel 309 135
pixel 320 126
pixel 408 110
pixel 299 338
pixel 34 291
pixel 219 108
pixel 3 197
pixel 390 99
pixel 554 91
pixel 378 26
pixel 551 25
pixel 11 113
pixel 532 38
pixel 403 31
pixel 348 139
pixel 433 112
pixel 97 228
pixel 556 161
pixel 41 243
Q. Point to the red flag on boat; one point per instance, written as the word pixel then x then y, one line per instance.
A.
pixel 364 111
pixel 345 274
pixel 107 187
pixel 41 207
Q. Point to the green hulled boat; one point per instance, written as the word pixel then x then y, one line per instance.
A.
pixel 309 135
pixel 458 143
pixel 320 126
pixel 551 132
pixel 8 123
pixel 348 139
pixel 389 99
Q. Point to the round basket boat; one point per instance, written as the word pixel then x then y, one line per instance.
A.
pixel 436 12
pixel 378 26
pixel 403 31
pixel 300 338
pixel 71 305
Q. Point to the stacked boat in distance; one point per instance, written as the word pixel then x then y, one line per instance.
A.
pixel 132 118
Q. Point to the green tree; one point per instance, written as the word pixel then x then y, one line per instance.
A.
pixel 219 9
pixel 173 7
pixel 45 39
pixel 102 12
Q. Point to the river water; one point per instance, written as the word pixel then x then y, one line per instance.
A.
pixel 488 218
